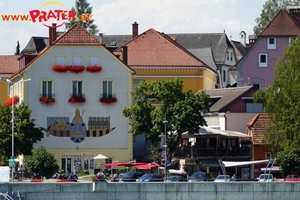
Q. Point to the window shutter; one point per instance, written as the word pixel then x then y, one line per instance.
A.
pixel 77 60
pixel 94 60
pixel 60 60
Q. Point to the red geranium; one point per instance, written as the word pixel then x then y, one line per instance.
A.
pixel 47 100
pixel 76 68
pixel 77 99
pixel 9 101
pixel 108 100
pixel 94 68
pixel 60 68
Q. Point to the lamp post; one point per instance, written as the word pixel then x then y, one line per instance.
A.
pixel 165 145
pixel 11 84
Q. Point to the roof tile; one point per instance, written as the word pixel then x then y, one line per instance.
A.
pixel 257 126
pixel 9 64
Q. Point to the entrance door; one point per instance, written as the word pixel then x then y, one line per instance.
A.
pixel 66 165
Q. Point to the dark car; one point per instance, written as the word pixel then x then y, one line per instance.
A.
pixel 176 178
pixel 150 178
pixel 200 176
pixel 130 176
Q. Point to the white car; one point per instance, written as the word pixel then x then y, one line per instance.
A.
pixel 265 178
pixel 222 178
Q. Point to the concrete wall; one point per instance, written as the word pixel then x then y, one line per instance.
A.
pixel 154 191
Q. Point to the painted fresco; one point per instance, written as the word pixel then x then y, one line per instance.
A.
pixel 76 130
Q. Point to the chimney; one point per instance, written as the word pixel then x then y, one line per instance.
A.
pixel 252 39
pixel 125 55
pixel 243 36
pixel 135 29
pixel 100 37
pixel 294 11
pixel 52 34
pixel 173 38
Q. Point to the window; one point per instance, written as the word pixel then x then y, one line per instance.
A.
pixel 47 90
pixel 271 43
pixel 94 60
pixel 77 60
pixel 107 89
pixel 227 55
pixel 77 88
pixel 224 76
pixel 263 60
pixel 268 156
pixel 254 107
pixel 291 39
pixel 60 60
pixel 231 56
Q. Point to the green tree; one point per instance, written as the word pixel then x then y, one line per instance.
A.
pixel 282 102
pixel 269 11
pixel 25 132
pixel 17 48
pixel 42 162
pixel 82 8
pixel 183 111
pixel 290 160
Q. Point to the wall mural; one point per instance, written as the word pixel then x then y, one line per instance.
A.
pixel 76 130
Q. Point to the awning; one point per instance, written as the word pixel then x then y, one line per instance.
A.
pixel 114 164
pixel 274 168
pixel 240 163
pixel 207 131
pixel 147 166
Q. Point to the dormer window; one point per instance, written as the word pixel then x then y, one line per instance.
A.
pixel 272 43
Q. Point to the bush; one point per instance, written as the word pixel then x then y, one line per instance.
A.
pixel 86 171
pixel 61 171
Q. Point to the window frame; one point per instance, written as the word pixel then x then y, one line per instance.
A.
pixel 112 88
pixel 273 44
pixel 47 93
pixel 58 61
pixel 96 63
pixel 260 63
pixel 77 92
pixel 75 62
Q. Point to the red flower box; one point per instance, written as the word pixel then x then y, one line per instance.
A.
pixel 47 100
pixel 36 180
pixel 94 68
pixel 108 100
pixel 60 68
pixel 76 68
pixel 77 99
pixel 9 101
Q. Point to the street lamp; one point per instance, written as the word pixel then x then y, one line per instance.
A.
pixel 165 146
pixel 11 84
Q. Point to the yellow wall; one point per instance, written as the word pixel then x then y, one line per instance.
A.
pixel 193 78
pixel 3 92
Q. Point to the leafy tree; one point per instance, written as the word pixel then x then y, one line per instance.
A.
pixel 182 111
pixel 25 132
pixel 17 48
pixel 270 9
pixel 290 160
pixel 282 102
pixel 82 7
pixel 41 162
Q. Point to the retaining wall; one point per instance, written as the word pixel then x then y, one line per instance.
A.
pixel 153 191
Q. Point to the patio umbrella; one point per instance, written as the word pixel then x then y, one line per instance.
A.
pixel 114 164
pixel 147 166
pixel 100 157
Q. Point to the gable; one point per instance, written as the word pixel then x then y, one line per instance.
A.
pixel 256 127
pixel 152 48
pixel 282 24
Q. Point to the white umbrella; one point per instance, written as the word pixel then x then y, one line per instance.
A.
pixel 99 157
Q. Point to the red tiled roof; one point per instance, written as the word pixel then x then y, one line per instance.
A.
pixel 282 24
pixel 9 64
pixel 256 126
pixel 77 35
pixel 153 48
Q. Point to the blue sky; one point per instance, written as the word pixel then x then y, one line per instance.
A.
pixel 115 17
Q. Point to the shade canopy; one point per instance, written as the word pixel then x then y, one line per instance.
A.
pixel 240 163
pixel 114 164
pixel 207 131
pixel 147 166
pixel 100 156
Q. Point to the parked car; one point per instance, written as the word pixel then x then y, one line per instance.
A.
pixel 200 176
pixel 150 178
pixel 292 178
pixel 265 178
pixel 130 176
pixel 175 178
pixel 222 178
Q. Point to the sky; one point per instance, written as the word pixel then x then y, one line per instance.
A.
pixel 115 17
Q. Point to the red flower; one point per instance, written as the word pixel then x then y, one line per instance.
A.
pixel 76 68
pixel 108 100
pixel 77 99
pixel 60 68
pixel 9 101
pixel 47 100
pixel 94 68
